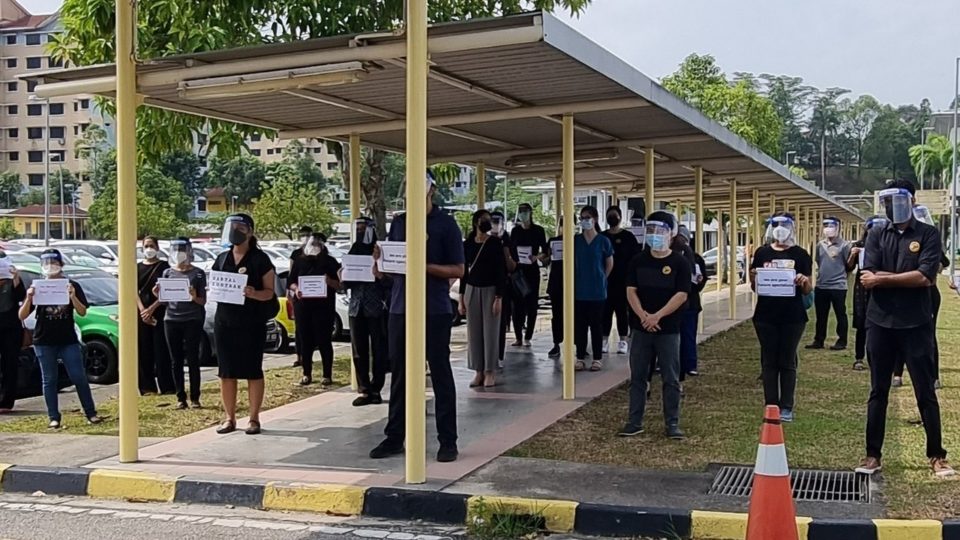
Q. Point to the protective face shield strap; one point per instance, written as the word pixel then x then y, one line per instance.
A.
pixel 898 203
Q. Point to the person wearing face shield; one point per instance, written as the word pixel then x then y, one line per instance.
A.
pixel 368 327
pixel 592 262
pixel 901 263
pixel 304 235
pixel 780 320
pixel 833 257
pixel 240 330
pixel 531 240
pixel 316 317
pixel 625 247
pixel 861 296
pixel 499 222
pixel 658 285
pixel 183 322
pixel 555 291
pixel 153 357
pixel 12 293
pixel 55 340
pixel 445 262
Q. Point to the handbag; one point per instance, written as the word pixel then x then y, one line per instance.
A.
pixel 519 284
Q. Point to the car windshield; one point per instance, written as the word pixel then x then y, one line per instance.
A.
pixel 100 290
pixel 81 258
pixel 22 258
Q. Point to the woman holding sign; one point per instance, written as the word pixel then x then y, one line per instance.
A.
pixel 153 356
pixel 314 281
pixel 56 299
pixel 780 275
pixel 184 290
pixel 243 283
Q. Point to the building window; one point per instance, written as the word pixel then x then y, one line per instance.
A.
pixel 12 86
pixel 12 110
pixel 330 151
pixel 34 62
pixel 35 156
pixel 318 149
pixel 11 63
pixel 12 40
pixel 13 133
pixel 255 137
pixel 255 152
pixel 34 39
pixel 13 156
pixel 201 205
pixel 58 156
pixel 31 86
pixel 54 62
pixel 84 104
pixel 332 166
pixel 269 151
pixel 56 108
pixel 34 132
pixel 34 109
pixel 76 130
pixel 35 179
pixel 57 132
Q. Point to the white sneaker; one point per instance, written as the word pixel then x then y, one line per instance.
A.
pixel 622 347
pixel 500 363
pixel 606 347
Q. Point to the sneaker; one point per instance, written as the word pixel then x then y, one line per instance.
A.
pixel 326 381
pixel 606 347
pixel 94 420
pixel 554 352
pixel 897 382
pixel 447 454
pixel 622 347
pixel 941 468
pixel 195 405
pixel 362 401
pixel 306 380
pixel 869 465
pixel 517 343
pixel 386 449
pixel 858 365
pixel 500 363
pixel 786 415
pixel 181 406
pixel 693 373
pixel 630 430
pixel 937 385
pixel 814 345
pixel 838 346
pixel 673 432
pixel 527 343
pixel 54 424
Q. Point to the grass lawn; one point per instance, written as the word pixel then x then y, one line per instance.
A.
pixel 158 418
pixel 723 407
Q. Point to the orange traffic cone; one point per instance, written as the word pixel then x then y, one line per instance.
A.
pixel 772 514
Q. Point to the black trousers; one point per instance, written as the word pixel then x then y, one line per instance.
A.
pixel 616 305
pixel 556 321
pixel 183 340
pixel 823 300
pixel 525 309
pixel 861 349
pixel 935 306
pixel 315 331
pixel 11 339
pixel 155 372
pixel 441 376
pixel 589 316
pixel 368 335
pixel 914 345
pixel 506 307
pixel 778 361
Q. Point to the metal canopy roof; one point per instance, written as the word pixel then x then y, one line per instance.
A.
pixel 497 90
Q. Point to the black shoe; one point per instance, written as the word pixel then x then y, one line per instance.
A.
pixel 448 454
pixel 839 346
pixel 386 449
pixel 195 404
pixel 375 399
pixel 554 352
pixel 814 345
pixel 182 405
pixel 362 401
pixel 306 380
pixel 673 432
pixel 630 430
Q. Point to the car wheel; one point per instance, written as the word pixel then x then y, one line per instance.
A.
pixel 207 358
pixel 101 361
pixel 337 327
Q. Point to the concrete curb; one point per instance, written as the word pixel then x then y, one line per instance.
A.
pixel 446 508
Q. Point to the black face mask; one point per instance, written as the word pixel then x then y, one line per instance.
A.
pixel 613 220
pixel 237 237
pixel 485 226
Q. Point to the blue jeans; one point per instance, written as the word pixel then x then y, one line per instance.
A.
pixel 665 348
pixel 72 356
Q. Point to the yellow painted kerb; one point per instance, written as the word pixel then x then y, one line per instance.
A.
pixel 920 529
pixel 717 525
pixel 559 516
pixel 3 467
pixel 326 498
pixel 131 485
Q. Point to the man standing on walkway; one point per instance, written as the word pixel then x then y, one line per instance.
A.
pixel 445 261
pixel 901 264
pixel 833 253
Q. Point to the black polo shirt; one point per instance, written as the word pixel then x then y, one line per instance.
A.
pixel 917 247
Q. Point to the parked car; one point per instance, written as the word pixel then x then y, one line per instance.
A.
pixel 108 251
pixel 208 342
pixel 71 256
pixel 23 257
pixel 710 259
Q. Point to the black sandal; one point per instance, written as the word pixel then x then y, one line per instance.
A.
pixel 253 428
pixel 228 426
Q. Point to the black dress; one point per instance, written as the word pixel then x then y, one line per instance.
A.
pixel 240 330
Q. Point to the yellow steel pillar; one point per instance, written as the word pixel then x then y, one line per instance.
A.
pixel 757 229
pixel 773 204
pixel 569 390
pixel 127 228
pixel 649 181
pixel 355 172
pixel 734 229
pixel 678 209
pixel 721 246
pixel 481 185
pixel 699 235
pixel 416 276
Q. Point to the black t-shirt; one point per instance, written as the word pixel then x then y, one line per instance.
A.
pixel 320 265
pixel 55 323
pixel 255 264
pixel 657 281
pixel 555 280
pixel 485 266
pixel 534 237
pixel 625 248
pixel 785 309
pixel 10 298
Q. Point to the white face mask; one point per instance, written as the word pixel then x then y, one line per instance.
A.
pixel 312 250
pixel 781 233
pixel 829 232
pixel 180 257
pixel 50 269
pixel 150 253
pixel 304 240
pixel 586 224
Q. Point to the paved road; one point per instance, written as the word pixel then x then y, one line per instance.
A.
pixel 49 518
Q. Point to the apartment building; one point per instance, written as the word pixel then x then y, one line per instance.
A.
pixel 26 123
pixel 270 151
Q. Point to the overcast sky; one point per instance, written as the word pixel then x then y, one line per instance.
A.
pixel 900 52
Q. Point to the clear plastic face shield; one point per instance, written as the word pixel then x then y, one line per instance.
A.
pixel 898 204
pixel 923 215
pixel 658 235
pixel 180 252
pixel 831 229
pixel 876 222
pixel 364 231
pixel 314 246
pixel 780 229
pixel 236 231
pixel 50 264
pixel 496 219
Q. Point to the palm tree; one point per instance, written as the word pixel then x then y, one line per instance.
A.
pixel 936 156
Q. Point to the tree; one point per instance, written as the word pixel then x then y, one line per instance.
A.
pixel 10 187
pixel 7 229
pixel 791 101
pixel 168 28
pixel 57 176
pixel 297 158
pixel 289 203
pixel 825 124
pixel 92 147
pixel 888 144
pixel 241 176
pixel 184 165
pixel 737 106
pixel 857 120
pixel 159 200
pixel 933 160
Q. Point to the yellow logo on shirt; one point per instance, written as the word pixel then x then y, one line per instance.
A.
pixel 242 270
pixel 667 270
pixel 914 247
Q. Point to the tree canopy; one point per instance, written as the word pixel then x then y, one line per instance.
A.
pixel 288 203
pixel 162 206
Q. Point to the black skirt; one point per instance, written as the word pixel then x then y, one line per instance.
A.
pixel 240 351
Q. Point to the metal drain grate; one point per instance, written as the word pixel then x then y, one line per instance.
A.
pixel 821 486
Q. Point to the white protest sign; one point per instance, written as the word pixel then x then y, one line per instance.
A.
pixel 393 257
pixel 227 287
pixel 524 253
pixel 776 282
pixel 556 250
pixel 51 292
pixel 313 286
pixel 358 268
pixel 174 290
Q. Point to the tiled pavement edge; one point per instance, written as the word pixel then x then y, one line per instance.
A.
pixel 444 508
